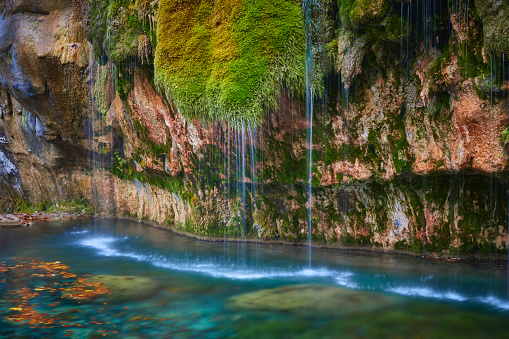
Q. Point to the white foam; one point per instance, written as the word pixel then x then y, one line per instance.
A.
pixel 427 292
pixel 308 272
pixel 237 273
pixel 344 279
pixel 79 232
pixel 105 247
pixel 495 302
pixel 101 244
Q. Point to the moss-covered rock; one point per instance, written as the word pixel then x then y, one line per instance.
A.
pixel 314 300
pixel 122 29
pixel 357 13
pixel 227 60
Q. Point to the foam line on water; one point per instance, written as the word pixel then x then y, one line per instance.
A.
pixel 79 232
pixel 345 279
pixel 427 292
pixel 101 244
pixel 231 272
pixel 105 246
pixel 495 302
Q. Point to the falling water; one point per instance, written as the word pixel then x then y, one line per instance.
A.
pixel 252 149
pixel 243 141
pixel 238 175
pixel 228 173
pixel 92 131
pixel 507 264
pixel 491 174
pixel 409 22
pixel 309 115
pixel 401 35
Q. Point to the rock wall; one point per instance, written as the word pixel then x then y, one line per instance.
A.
pixel 408 146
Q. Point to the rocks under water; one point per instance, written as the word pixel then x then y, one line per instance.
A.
pixel 314 300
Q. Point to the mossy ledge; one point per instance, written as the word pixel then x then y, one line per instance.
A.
pixel 227 60
pixel 399 251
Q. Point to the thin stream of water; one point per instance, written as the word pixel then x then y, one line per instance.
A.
pixel 309 115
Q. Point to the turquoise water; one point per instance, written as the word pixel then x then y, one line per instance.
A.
pixel 173 286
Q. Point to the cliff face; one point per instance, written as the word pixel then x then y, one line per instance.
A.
pixel 408 126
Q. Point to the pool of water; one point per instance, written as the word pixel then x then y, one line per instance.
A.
pixel 165 285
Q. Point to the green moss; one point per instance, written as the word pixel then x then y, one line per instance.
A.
pixel 357 13
pixel 122 82
pixel 401 245
pixel 226 60
pixel 71 206
pixel 401 156
pixel 347 239
pixel 504 137
pixel 115 26
pixel 396 28
pixel 417 246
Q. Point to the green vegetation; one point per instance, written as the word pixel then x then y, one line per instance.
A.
pixel 71 206
pixel 357 13
pixel 120 29
pixel 9 198
pixel 504 137
pixel 227 60
pixel 14 204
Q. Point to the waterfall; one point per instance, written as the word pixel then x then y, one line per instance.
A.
pixel 252 150
pixel 244 205
pixel 401 35
pixel 507 243
pixel 409 22
pixel 309 114
pixel 91 131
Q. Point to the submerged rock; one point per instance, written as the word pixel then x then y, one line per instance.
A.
pixel 313 300
pixel 124 288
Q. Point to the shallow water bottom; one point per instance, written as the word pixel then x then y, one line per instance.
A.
pixel 163 285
